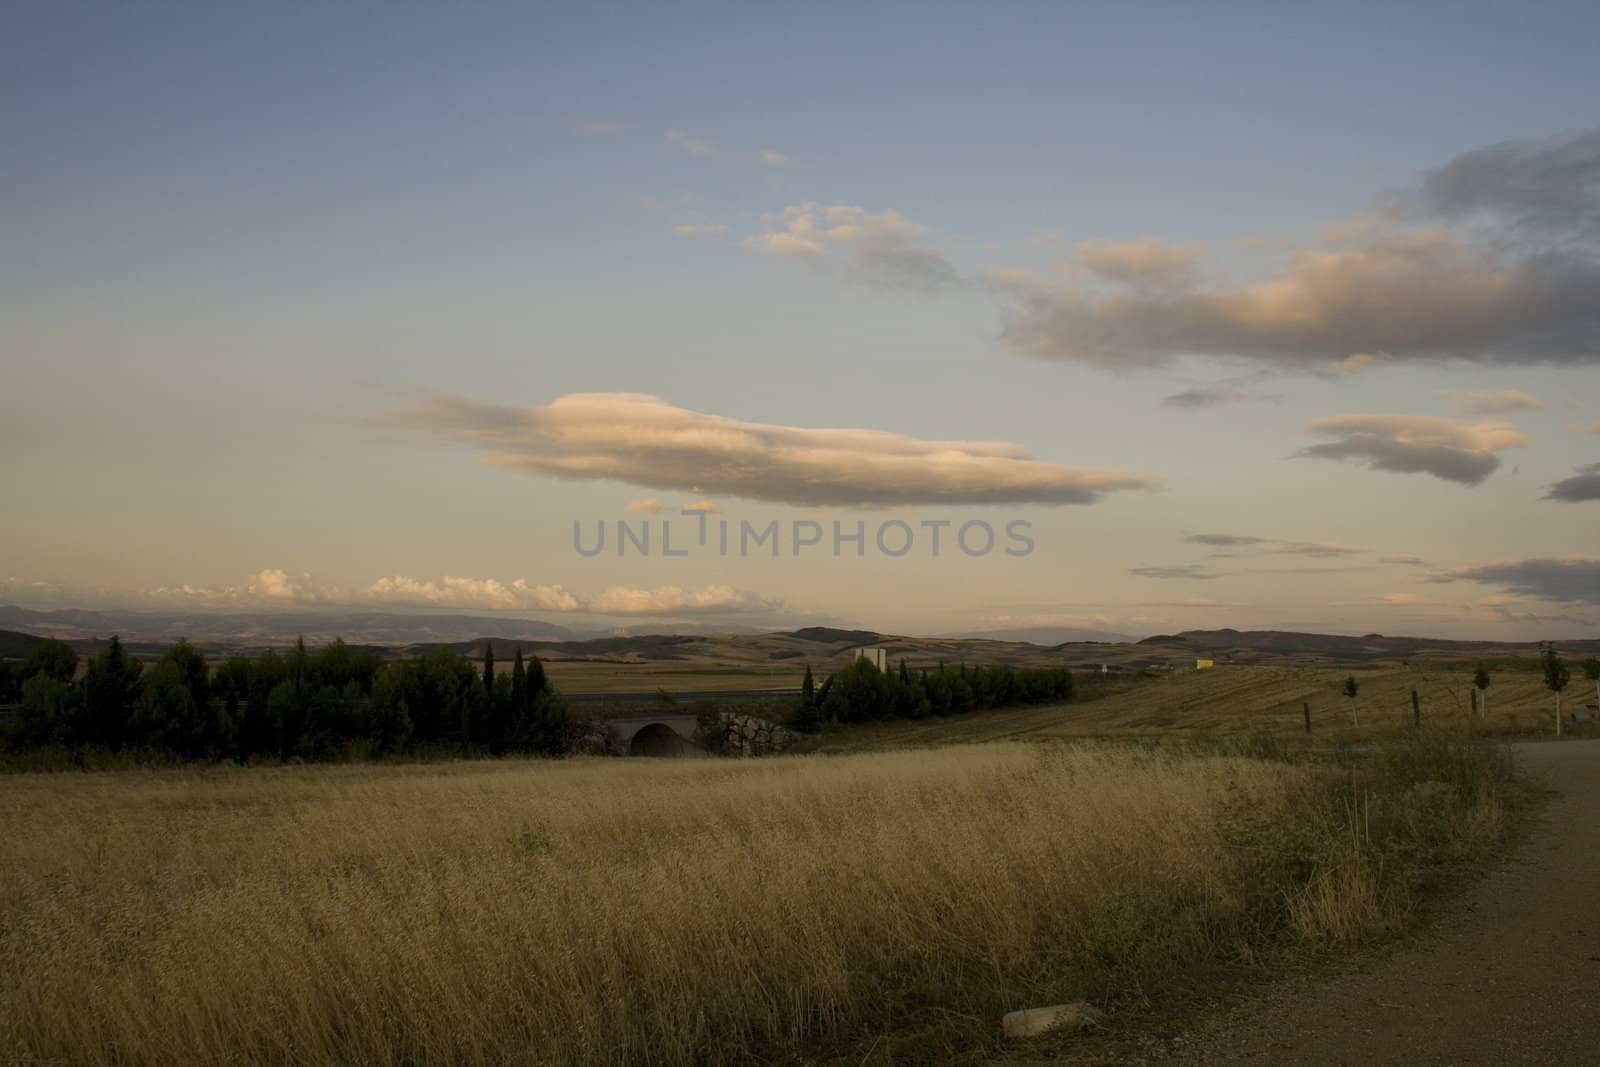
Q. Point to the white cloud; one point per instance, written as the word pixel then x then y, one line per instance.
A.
pixel 692 145
pixel 708 506
pixel 274 588
pixel 1495 402
pixel 1416 444
pixel 878 248
pixel 673 600
pixel 645 441
pixel 700 229
pixel 648 506
pixel 773 158
pixel 474 593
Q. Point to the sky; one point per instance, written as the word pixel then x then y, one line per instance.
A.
pixel 1278 315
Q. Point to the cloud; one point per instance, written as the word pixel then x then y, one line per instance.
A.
pixel 474 593
pixel 1192 602
pixel 692 145
pixel 773 158
pixel 275 588
pixel 1515 189
pixel 1214 396
pixel 1389 600
pixel 1583 485
pixel 1355 363
pixel 876 248
pixel 1595 429
pixel 1143 264
pixel 1415 444
pixel 1181 570
pixel 1404 561
pixel 645 441
pixel 699 229
pixel 672 600
pixel 647 506
pixel 1496 402
pixel 1225 540
pixel 1564 579
pixel 1315 549
pixel 707 506
pixel 1493 258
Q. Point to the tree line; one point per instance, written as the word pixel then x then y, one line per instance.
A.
pixel 329 703
pixel 863 693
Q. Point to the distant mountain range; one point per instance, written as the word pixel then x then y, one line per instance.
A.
pixel 258 629
pixel 149 633
pixel 1045 635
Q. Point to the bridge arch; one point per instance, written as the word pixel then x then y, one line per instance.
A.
pixel 656 739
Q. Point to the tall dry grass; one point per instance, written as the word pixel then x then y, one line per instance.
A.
pixel 631 911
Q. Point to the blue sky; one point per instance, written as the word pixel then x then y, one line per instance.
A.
pixel 234 238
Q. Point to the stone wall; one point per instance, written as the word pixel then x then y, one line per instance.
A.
pixel 745 735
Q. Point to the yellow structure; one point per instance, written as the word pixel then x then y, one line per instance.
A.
pixel 1204 664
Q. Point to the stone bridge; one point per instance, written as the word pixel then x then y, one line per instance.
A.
pixel 657 735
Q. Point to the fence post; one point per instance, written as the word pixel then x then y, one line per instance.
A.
pixel 1307 707
pixel 1416 709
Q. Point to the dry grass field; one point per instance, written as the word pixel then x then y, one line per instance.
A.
pixel 1244 700
pixel 878 906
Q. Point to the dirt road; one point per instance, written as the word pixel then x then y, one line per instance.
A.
pixel 1508 975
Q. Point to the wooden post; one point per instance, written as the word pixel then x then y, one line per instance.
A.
pixel 1307 707
pixel 1416 709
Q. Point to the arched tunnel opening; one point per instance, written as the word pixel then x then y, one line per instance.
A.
pixel 656 739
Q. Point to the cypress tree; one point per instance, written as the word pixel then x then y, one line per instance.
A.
pixel 537 683
pixel 519 686
pixel 488 668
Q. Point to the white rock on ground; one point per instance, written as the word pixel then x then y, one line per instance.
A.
pixel 1032 1022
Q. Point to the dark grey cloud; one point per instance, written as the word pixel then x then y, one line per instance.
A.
pixel 1493 258
pixel 1224 540
pixel 1214 396
pixel 1181 570
pixel 1584 485
pixel 1566 579
pixel 1523 189
pixel 1415 444
pixel 1276 546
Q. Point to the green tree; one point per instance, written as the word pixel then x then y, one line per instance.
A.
pixel 52 658
pixel 388 718
pixel 1481 680
pixel 519 686
pixel 488 668
pixel 1591 671
pixel 174 709
pixel 50 713
pixel 110 690
pixel 808 716
pixel 1556 677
